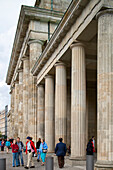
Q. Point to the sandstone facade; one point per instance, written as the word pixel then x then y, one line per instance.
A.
pixel 60 74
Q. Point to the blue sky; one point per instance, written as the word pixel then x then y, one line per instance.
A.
pixel 9 14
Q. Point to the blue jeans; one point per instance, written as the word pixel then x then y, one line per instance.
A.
pixel 15 158
pixel 38 154
pixel 21 157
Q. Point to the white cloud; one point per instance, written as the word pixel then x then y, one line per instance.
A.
pixel 9 14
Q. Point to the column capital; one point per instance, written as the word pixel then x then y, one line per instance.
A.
pixel 16 82
pixel 41 42
pixel 106 11
pixel 25 58
pixel 40 85
pixel 77 44
pixel 49 76
pixel 60 63
pixel 20 70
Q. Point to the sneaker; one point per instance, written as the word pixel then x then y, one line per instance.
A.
pixel 26 167
pixel 13 166
pixel 32 167
pixel 38 160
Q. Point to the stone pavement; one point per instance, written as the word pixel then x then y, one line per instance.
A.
pixel 37 164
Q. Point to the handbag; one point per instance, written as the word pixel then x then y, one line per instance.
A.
pixel 44 150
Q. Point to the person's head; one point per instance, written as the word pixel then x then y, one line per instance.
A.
pixel 42 140
pixel 14 141
pixel 39 139
pixel 28 138
pixel 91 140
pixel 18 139
pixel 60 139
pixel 93 137
pixel 7 139
pixel 2 140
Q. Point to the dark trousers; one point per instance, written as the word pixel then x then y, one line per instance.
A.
pixel 61 161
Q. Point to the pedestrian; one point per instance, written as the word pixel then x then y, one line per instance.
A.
pixel 7 144
pixel 15 149
pixel 90 148
pixel 30 148
pixel 11 140
pixel 93 138
pixel 2 145
pixel 60 152
pixel 20 151
pixel 43 151
pixel 37 147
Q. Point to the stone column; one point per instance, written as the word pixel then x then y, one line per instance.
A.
pixel 12 112
pixel 20 107
pixel 40 112
pixel 78 102
pixel 35 49
pixel 49 113
pixel 16 98
pixel 68 113
pixel 25 95
pixel 105 91
pixel 60 102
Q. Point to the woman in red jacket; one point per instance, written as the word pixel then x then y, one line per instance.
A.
pixel 15 149
pixel 30 148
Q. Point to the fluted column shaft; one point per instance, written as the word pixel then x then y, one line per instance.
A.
pixel 49 113
pixel 78 102
pixel 34 53
pixel 11 130
pixel 16 104
pixel 25 96
pixel 60 102
pixel 105 90
pixel 20 107
pixel 40 112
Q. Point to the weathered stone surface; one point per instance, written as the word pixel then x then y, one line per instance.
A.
pixel 105 90
pixel 16 104
pixel 26 68
pixel 40 112
pixel 49 112
pixel 78 102
pixel 60 102
pixel 35 48
pixel 20 106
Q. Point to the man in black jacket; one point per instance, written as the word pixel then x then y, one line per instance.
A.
pixel 37 147
pixel 60 151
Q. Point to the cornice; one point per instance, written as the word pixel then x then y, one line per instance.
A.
pixel 72 13
pixel 26 15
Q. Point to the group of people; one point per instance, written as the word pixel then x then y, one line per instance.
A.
pixel 39 151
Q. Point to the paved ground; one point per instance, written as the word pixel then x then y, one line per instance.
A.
pixel 37 164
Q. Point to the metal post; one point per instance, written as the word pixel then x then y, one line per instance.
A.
pixel 89 162
pixel 49 163
pixel 3 164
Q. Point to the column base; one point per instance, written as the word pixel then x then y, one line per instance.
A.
pixel 78 158
pixel 104 165
pixel 77 161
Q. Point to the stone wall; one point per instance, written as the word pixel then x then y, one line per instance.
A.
pixel 57 5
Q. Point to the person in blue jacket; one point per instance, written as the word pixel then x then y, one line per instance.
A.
pixel 7 144
pixel 60 152
pixel 43 151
